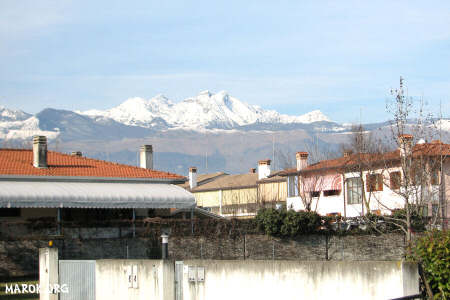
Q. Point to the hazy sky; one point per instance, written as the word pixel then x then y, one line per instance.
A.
pixel 341 57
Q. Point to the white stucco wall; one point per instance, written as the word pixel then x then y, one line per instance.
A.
pixel 301 280
pixel 384 200
pixel 155 279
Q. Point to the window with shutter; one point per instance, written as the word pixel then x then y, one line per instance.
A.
pixel 374 182
pixel 395 180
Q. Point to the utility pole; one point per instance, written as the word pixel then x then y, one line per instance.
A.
pixel 273 150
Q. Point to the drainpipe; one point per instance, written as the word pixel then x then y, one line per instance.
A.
pixel 134 225
pixel 345 196
pixel 220 202
pixel 192 220
pixel 58 220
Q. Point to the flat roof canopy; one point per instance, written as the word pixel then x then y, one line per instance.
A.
pixel 48 194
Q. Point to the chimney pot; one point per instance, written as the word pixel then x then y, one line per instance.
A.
pixel 77 153
pixel 40 151
pixel 348 152
pixel 263 169
pixel 405 144
pixel 146 157
pixel 192 177
pixel 302 160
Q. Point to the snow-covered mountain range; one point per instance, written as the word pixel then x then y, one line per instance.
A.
pixel 136 116
pixel 206 110
pixel 215 132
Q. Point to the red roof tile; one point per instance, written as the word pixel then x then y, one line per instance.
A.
pixel 428 149
pixel 20 162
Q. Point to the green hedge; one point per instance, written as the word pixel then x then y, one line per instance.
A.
pixel 287 223
pixel 433 251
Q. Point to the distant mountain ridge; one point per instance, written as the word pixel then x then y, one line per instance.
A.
pixel 215 132
pixel 206 110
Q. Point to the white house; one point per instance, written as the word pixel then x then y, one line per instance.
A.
pixel 335 186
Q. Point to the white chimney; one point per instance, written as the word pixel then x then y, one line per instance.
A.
pixel 40 151
pixel 405 144
pixel 146 157
pixel 192 177
pixel 302 160
pixel 263 169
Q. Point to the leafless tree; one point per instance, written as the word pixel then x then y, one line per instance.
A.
pixel 419 165
pixel 310 184
pixel 309 188
pixel 363 151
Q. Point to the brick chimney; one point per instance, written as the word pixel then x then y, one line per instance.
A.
pixel 263 169
pixel 302 160
pixel 405 144
pixel 76 153
pixel 40 151
pixel 192 177
pixel 146 157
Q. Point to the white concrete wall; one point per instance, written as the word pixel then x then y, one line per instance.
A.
pixel 301 280
pixel 155 279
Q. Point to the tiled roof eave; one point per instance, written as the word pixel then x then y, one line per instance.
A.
pixel 223 188
pixel 90 179
pixel 338 169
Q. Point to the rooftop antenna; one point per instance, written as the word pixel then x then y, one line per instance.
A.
pixel 360 116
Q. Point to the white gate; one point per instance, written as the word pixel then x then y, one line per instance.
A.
pixel 79 277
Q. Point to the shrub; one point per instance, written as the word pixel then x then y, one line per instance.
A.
pixel 270 220
pixel 433 251
pixel 418 222
pixel 287 223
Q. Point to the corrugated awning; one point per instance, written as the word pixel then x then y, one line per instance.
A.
pixel 323 183
pixel 48 194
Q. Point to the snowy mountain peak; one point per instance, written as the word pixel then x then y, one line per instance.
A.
pixel 205 93
pixel 206 110
pixel 7 114
pixel 315 116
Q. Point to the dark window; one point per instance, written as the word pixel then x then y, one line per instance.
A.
pixel 395 180
pixel 293 188
pixel 374 182
pixel 425 211
pixel 9 212
pixel 354 190
pixel 331 193
pixel 315 194
pixel 435 176
pixel 435 210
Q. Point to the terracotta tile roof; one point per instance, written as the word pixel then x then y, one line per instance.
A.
pixel 427 149
pixel 20 162
pixel 229 182
pixel 274 177
pixel 204 178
